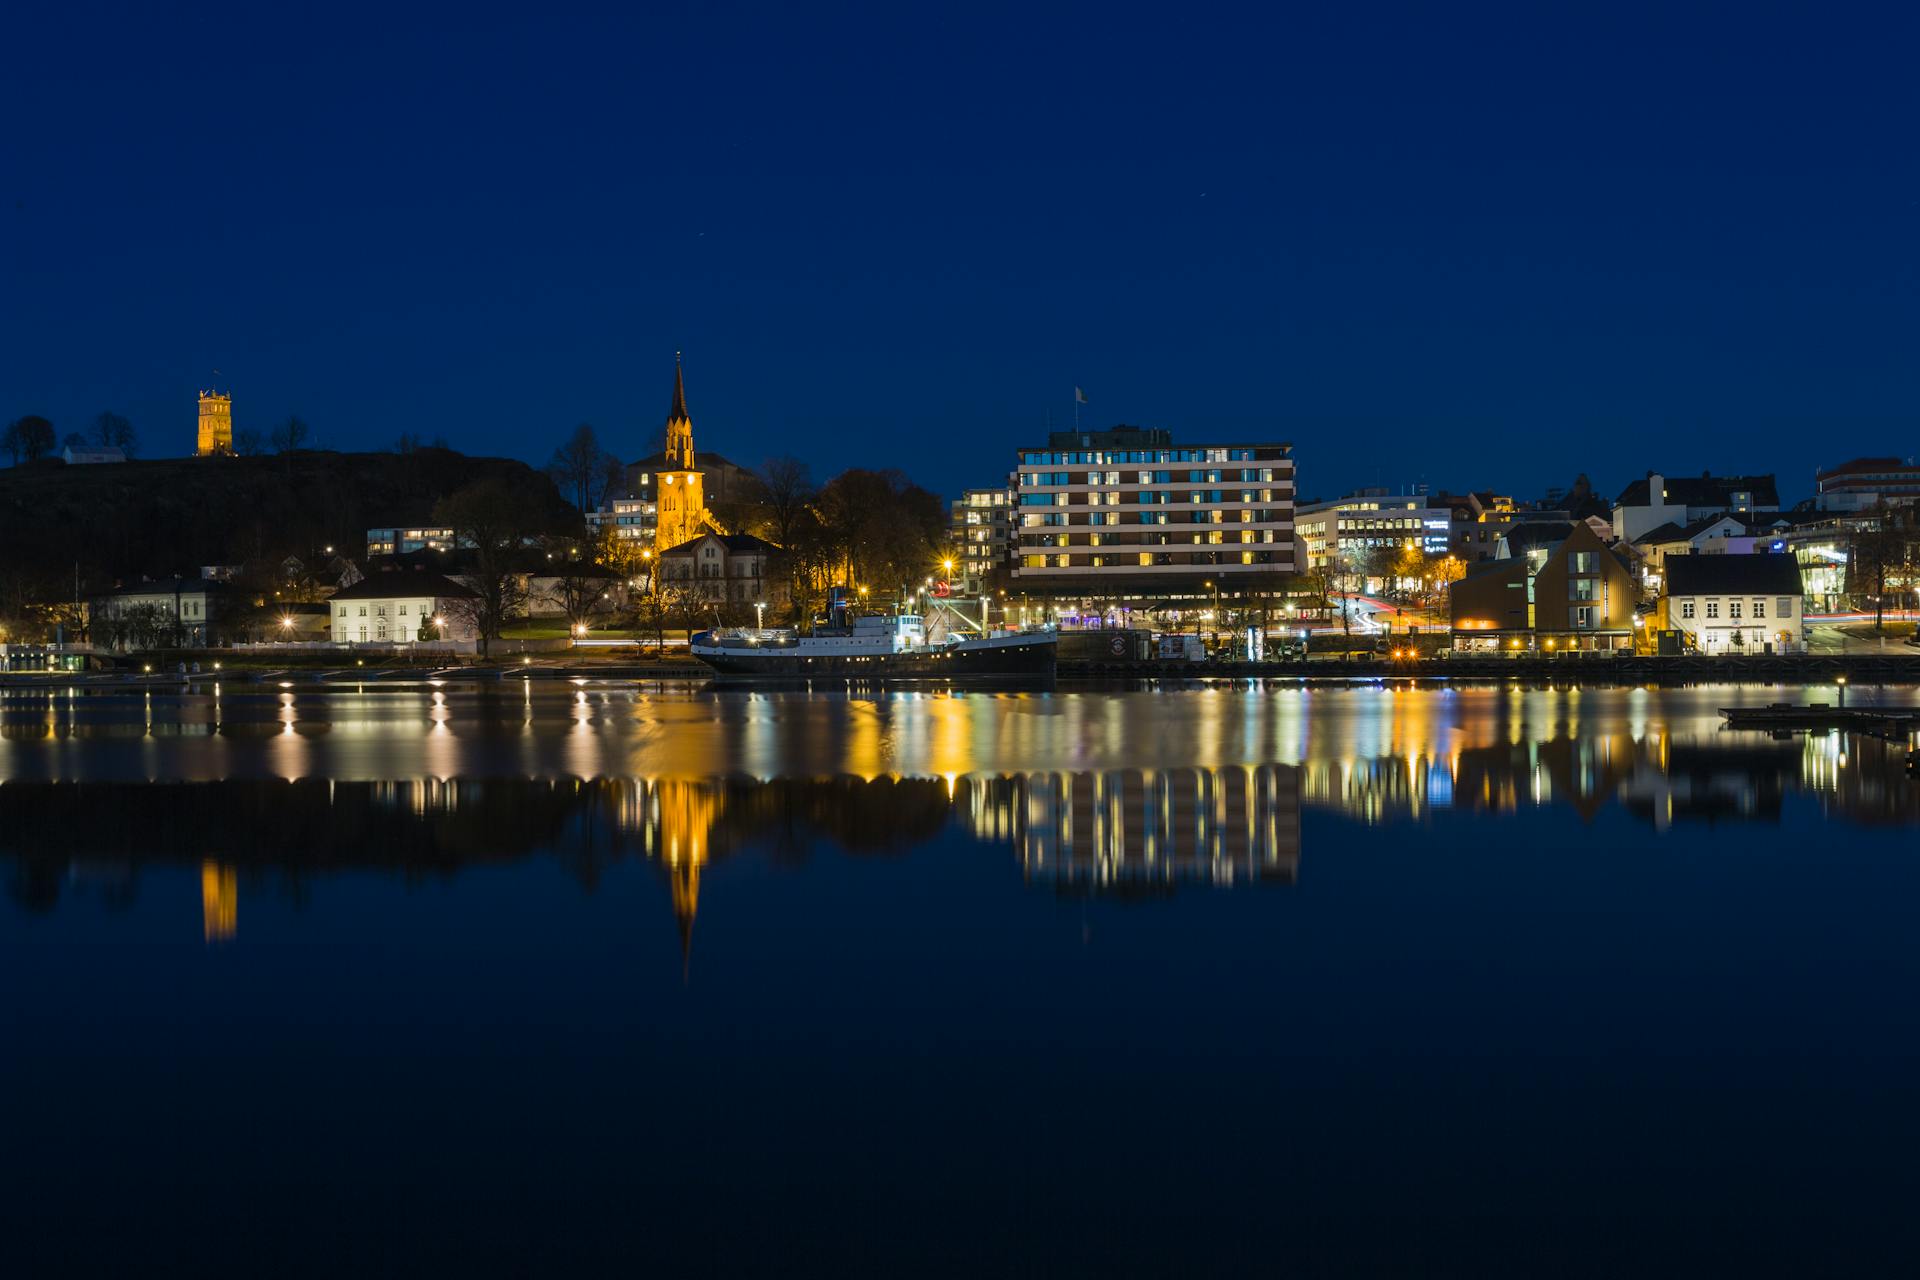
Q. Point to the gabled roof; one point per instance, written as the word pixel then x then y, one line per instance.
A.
pixel 1704 491
pixel 702 457
pixel 392 584
pixel 1761 574
pixel 735 543
pixel 1668 532
pixel 1542 533
pixel 1671 532
pixel 168 586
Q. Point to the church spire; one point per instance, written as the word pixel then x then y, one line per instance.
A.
pixel 679 410
pixel 680 455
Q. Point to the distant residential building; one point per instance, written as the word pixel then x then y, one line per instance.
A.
pixel 1125 513
pixel 1867 482
pixel 735 568
pixel 1476 521
pixel 631 516
pixel 982 539
pixel 1735 604
pixel 216 424
pixel 397 541
pixel 1574 595
pixel 390 607
pixel 86 455
pixel 171 612
pixel 1349 529
pixel 1647 504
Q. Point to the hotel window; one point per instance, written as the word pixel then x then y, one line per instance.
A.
pixel 1686 608
pixel 1062 561
pixel 1713 608
pixel 1146 557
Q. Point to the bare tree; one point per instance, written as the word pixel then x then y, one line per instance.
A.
pixel 28 439
pixel 495 520
pixel 246 442
pixel 790 491
pixel 291 434
pixel 583 471
pixel 111 431
pixel 1878 552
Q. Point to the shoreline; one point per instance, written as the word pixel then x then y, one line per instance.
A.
pixel 1864 670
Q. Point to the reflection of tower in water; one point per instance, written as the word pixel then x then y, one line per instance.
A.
pixel 683 814
pixel 1218 826
pixel 219 901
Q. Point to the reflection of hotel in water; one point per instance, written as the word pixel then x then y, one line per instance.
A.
pixel 1222 826
pixel 1713 777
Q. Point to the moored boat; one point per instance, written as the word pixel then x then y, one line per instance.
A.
pixel 877 649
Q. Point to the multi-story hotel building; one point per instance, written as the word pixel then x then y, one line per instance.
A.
pixel 982 533
pixel 1125 512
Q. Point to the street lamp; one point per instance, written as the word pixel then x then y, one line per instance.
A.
pixel 759 615
pixel 1842 682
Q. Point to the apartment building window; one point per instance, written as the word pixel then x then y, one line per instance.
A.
pixel 1783 607
pixel 363 613
pixel 1759 609
pixel 1582 589
pixel 1733 609
pixel 1713 608
pixel 1582 617
pixel 1686 608
pixel 1580 562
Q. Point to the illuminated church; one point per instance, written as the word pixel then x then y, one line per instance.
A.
pixel 679 485
pixel 670 495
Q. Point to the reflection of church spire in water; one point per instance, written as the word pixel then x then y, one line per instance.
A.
pixel 219 901
pixel 685 812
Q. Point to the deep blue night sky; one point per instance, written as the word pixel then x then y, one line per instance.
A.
pixel 1474 247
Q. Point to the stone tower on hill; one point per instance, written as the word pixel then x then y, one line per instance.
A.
pixel 216 423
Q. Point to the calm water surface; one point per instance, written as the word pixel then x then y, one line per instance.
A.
pixel 540 977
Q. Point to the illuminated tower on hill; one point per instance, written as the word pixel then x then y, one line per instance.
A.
pixel 681 507
pixel 216 423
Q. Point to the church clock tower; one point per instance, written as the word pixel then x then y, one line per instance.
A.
pixel 680 505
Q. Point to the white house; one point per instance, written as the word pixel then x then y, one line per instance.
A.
pixel 735 567
pixel 81 455
pixel 155 615
pixel 1736 604
pixel 392 608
